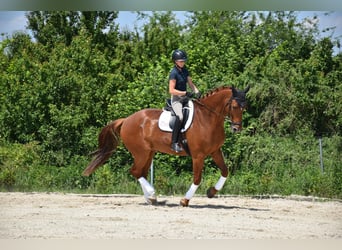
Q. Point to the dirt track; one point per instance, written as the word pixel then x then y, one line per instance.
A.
pixel 73 216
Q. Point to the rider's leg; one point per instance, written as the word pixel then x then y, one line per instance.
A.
pixel 175 136
pixel 177 107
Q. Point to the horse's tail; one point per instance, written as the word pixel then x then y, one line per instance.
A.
pixel 108 142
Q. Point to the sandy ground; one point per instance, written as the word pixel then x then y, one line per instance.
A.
pixel 75 216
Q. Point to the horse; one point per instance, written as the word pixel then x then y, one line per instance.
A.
pixel 142 137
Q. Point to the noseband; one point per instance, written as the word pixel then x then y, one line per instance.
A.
pixel 227 118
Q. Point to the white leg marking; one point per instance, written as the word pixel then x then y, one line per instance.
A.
pixel 220 183
pixel 191 191
pixel 147 189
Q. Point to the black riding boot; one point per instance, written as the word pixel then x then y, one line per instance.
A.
pixel 175 135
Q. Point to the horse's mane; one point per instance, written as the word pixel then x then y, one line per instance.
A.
pixel 211 92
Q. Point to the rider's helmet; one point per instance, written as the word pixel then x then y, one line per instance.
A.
pixel 179 55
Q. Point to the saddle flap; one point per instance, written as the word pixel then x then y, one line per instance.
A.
pixel 166 116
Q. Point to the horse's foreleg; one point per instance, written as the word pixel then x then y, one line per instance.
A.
pixel 219 160
pixel 197 166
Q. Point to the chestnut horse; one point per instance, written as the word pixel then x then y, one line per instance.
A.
pixel 142 137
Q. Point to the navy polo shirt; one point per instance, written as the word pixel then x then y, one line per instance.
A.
pixel 181 77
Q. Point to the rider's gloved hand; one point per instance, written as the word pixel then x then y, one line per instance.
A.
pixel 189 94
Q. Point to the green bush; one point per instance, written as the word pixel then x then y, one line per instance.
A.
pixel 278 165
pixel 266 165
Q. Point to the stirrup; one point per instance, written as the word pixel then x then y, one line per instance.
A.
pixel 175 147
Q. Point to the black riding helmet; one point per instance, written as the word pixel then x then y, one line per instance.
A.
pixel 179 55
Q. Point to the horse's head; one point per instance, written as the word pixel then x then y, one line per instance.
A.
pixel 236 106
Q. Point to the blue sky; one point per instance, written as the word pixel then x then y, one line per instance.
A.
pixel 11 21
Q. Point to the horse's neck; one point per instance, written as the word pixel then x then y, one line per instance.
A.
pixel 218 100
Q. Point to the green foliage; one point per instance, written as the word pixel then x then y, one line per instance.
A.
pixel 52 27
pixel 81 72
pixel 276 165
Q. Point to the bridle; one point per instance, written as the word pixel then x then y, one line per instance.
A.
pixel 221 114
pixel 227 117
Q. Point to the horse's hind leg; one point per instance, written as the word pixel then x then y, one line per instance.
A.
pixel 139 170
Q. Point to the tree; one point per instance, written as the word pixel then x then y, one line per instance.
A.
pixel 161 35
pixel 21 113
pixel 51 27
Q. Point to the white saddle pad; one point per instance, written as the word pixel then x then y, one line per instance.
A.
pixel 164 119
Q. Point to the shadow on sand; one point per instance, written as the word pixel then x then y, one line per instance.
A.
pixel 165 203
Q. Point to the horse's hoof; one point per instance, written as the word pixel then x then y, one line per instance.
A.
pixel 151 200
pixel 211 192
pixel 184 202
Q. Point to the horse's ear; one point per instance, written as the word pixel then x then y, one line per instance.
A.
pixel 246 89
pixel 235 93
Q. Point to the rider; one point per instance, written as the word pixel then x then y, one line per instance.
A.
pixel 178 79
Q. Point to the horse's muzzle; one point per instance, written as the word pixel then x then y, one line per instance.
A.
pixel 236 127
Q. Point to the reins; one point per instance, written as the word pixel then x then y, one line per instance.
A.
pixel 205 106
pixel 219 114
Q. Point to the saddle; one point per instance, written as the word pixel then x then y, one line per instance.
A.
pixel 167 118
